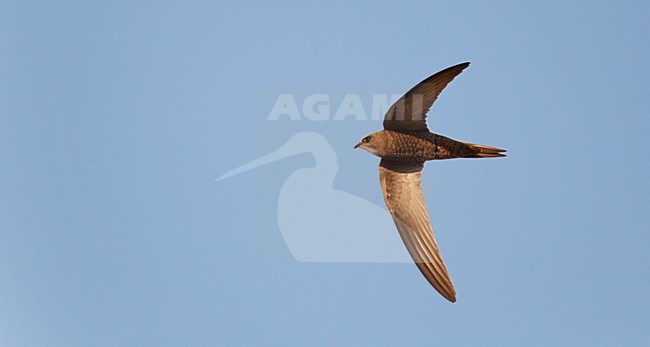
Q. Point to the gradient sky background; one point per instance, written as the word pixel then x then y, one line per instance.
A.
pixel 115 119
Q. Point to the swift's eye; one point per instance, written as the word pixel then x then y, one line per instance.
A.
pixel 366 139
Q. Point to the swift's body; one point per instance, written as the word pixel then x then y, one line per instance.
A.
pixel 403 146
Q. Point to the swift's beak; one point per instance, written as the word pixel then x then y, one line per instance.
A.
pixel 357 145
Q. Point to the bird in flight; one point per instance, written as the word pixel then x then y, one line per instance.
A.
pixel 403 146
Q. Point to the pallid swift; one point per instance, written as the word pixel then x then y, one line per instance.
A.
pixel 403 146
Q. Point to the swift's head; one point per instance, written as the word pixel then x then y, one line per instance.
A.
pixel 373 143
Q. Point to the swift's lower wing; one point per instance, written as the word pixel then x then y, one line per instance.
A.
pixel 400 184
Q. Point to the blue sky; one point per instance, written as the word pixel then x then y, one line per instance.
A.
pixel 115 119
